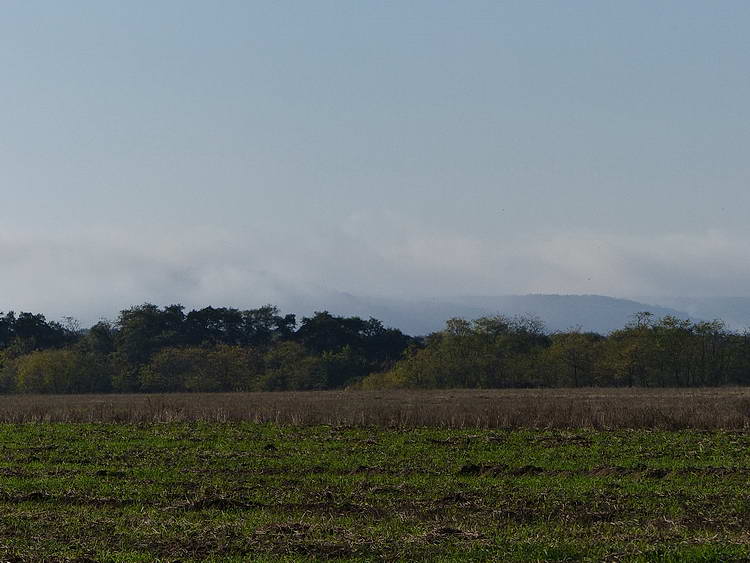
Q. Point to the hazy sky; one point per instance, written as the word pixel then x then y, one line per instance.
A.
pixel 242 152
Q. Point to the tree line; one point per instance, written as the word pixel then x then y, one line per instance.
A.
pixel 165 349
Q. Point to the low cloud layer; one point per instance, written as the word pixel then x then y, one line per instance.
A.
pixel 96 274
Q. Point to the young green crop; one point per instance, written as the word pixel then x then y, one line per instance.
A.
pixel 261 492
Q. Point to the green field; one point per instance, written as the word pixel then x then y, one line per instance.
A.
pixel 246 491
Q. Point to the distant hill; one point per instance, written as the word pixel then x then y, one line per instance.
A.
pixel 559 312
pixel 735 311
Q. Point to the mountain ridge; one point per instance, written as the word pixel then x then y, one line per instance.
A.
pixel 559 312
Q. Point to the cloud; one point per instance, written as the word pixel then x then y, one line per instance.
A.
pixel 710 263
pixel 99 273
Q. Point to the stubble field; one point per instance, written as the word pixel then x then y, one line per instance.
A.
pixel 726 408
pixel 177 485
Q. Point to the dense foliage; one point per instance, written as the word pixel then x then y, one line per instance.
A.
pixel 154 349
pixel 503 352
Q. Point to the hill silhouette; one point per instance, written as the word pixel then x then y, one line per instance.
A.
pixel 595 313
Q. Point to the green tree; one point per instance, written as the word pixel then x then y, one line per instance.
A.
pixel 573 358
pixel 46 371
pixel 206 369
pixel 289 366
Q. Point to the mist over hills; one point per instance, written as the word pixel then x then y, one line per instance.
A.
pixel 421 316
pixel 595 313
pixel 735 311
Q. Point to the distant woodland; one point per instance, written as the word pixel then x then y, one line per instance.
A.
pixel 165 349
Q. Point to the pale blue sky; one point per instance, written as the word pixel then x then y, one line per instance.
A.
pixel 241 152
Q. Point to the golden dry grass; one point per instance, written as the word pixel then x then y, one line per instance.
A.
pixel 707 408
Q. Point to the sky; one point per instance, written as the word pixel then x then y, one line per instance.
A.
pixel 240 153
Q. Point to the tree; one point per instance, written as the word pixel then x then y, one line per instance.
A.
pixel 27 332
pixel 289 366
pixel 46 371
pixel 573 355
pixel 206 369
pixel 139 333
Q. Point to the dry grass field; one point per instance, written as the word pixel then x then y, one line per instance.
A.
pixel 597 408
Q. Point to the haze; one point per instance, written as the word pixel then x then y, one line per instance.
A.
pixel 243 152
